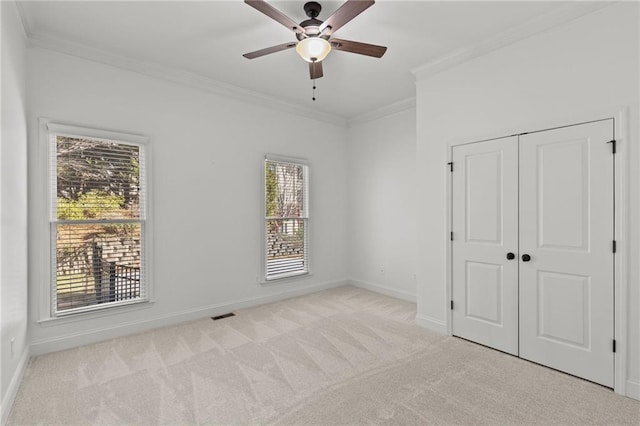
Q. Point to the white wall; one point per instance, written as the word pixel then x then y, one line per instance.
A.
pixel 382 223
pixel 582 68
pixel 207 211
pixel 13 206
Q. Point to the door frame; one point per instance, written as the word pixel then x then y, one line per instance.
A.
pixel 620 117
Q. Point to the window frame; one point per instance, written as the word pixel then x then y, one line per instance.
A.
pixel 50 131
pixel 306 219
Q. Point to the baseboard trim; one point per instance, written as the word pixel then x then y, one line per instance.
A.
pixel 387 291
pixel 633 389
pixel 14 385
pixel 432 324
pixel 85 337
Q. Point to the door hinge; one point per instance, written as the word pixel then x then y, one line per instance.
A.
pixel 615 246
pixel 450 166
pixel 613 146
pixel 451 236
pixel 452 305
pixel 614 345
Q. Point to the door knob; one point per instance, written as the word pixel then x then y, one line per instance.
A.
pixel 526 258
pixel 510 256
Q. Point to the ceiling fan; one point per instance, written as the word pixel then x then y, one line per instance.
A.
pixel 315 37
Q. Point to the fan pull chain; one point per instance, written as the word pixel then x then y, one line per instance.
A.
pixel 314 91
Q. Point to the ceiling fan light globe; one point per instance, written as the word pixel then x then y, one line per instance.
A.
pixel 313 49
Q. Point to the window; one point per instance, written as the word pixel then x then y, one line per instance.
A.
pixel 98 219
pixel 286 218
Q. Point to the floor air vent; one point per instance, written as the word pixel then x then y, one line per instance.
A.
pixel 230 314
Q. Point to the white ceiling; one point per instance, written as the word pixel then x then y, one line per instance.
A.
pixel 207 39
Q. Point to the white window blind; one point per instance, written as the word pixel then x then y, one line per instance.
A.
pixel 286 218
pixel 98 219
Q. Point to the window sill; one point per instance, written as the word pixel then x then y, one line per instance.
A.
pixel 286 279
pixel 98 313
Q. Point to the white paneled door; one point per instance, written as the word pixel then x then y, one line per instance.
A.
pixel 566 230
pixel 485 226
pixel 532 249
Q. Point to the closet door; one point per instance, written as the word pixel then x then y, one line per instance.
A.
pixel 485 232
pixel 566 258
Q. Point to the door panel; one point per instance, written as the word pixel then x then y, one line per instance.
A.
pixel 483 292
pixel 563 192
pixel 483 197
pixel 563 302
pixel 566 226
pixel 485 227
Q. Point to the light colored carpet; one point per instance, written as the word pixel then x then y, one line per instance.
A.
pixel 342 356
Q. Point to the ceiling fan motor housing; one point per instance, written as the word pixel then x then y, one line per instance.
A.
pixel 311 29
pixel 312 25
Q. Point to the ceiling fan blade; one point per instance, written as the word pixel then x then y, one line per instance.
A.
pixel 275 14
pixel 349 10
pixel 268 50
pixel 357 47
pixel 315 70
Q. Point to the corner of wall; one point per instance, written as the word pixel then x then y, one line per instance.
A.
pixel 431 324
pixel 14 386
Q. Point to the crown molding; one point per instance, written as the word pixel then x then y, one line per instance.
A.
pixel 537 25
pixel 178 76
pixel 384 111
